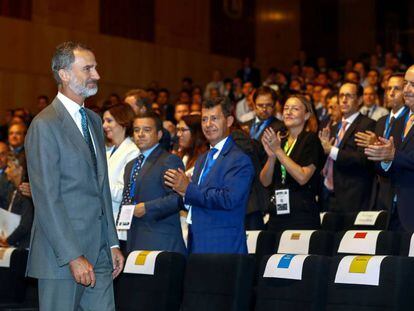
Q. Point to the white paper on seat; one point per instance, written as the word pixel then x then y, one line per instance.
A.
pixel 411 250
pixel 8 222
pixel 5 255
pixel 141 262
pixel 369 277
pixel 367 218
pixel 251 237
pixel 359 242
pixel 285 266
pixel 295 242
pixel 321 216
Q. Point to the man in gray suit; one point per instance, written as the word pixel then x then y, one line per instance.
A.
pixel 156 225
pixel 74 247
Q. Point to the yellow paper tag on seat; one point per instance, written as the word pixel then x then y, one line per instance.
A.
pixel 359 264
pixel 142 256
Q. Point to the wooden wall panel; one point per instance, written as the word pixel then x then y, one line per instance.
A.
pixel 277 33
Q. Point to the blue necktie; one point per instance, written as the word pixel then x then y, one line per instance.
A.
pixel 87 136
pixel 129 192
pixel 208 165
pixel 255 130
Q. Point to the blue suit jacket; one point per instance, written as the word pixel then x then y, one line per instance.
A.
pixel 160 227
pixel 219 202
pixel 402 175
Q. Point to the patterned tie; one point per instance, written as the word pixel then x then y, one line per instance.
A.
pixel 127 198
pixel 208 165
pixel 87 136
pixel 408 125
pixel 328 168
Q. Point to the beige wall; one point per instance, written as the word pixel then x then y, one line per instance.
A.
pixel 123 64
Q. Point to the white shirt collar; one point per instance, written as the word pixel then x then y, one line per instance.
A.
pixel 398 113
pixel 351 118
pixel 219 146
pixel 71 106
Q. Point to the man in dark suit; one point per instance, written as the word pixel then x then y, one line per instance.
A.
pixel 396 155
pixel 5 185
pixel 17 133
pixel 349 174
pixel 217 194
pixel 74 250
pixel 156 225
pixel 383 192
pixel 264 100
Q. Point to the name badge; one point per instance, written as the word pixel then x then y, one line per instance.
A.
pixel 125 217
pixel 282 202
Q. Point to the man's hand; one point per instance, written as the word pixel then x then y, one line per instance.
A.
pixel 325 139
pixel 3 240
pixel 177 180
pixel 364 139
pixel 383 150
pixel 118 260
pixel 139 210
pixel 82 271
pixel 25 189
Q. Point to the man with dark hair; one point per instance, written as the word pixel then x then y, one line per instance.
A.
pixel 167 109
pixel 348 174
pixel 138 100
pixel 264 100
pixel 42 102
pixel 156 222
pixel 218 192
pixel 180 110
pixel 74 249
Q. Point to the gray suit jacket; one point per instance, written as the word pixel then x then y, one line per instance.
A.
pixel 70 199
pixel 160 228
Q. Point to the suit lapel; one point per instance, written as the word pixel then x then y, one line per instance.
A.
pixel 98 139
pixel 149 162
pixel 216 166
pixel 72 131
pixel 350 130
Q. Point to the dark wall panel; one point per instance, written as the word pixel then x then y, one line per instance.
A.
pixel 16 8
pixel 133 19
pixel 232 27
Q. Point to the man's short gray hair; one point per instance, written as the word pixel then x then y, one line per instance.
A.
pixel 64 57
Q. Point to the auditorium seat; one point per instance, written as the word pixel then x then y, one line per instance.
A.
pixel 151 281
pixel 332 221
pixel 369 242
pixel 369 220
pixel 370 283
pixel 219 282
pixel 292 282
pixel 407 244
pixel 315 242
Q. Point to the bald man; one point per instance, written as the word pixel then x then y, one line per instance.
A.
pixel 396 155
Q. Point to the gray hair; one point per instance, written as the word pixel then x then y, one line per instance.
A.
pixel 64 57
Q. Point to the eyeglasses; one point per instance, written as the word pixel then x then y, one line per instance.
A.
pixel 264 106
pixel 182 129
pixel 347 96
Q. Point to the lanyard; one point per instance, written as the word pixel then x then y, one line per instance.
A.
pixel 288 150
pixel 389 128
pixel 407 117
pixel 12 201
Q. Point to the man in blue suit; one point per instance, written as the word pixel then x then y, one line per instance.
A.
pixel 217 195
pixel 156 225
pixel 397 158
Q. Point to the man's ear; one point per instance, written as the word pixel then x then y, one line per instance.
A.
pixel 230 120
pixel 64 75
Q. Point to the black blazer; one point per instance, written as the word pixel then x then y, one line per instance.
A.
pixel 22 206
pixel 352 172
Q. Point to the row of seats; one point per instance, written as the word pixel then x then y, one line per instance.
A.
pixel 319 242
pixel 375 220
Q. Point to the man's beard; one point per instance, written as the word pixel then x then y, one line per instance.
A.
pixel 83 90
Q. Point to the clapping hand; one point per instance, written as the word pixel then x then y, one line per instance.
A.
pixel 364 139
pixel 271 142
pixel 326 140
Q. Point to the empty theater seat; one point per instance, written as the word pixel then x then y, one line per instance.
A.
pixel 219 282
pixel 151 281
pixel 316 242
pixel 369 220
pixel 292 282
pixel 332 221
pixel 370 283
pixel 370 242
